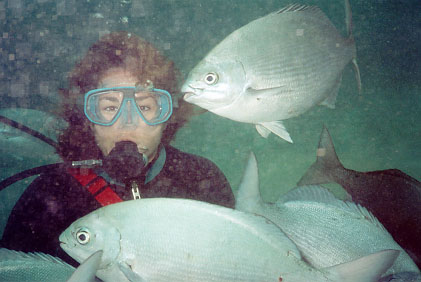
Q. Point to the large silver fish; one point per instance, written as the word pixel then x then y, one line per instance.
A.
pixel 274 68
pixel 391 195
pixel 184 240
pixel 326 230
pixel 20 266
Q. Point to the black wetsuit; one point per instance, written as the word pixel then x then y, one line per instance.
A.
pixel 55 199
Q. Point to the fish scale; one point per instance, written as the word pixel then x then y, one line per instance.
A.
pixel 325 217
pixel 19 266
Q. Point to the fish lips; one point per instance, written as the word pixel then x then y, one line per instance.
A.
pixel 189 92
pixel 188 96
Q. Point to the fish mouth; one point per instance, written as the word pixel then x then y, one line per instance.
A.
pixel 188 95
pixel 63 240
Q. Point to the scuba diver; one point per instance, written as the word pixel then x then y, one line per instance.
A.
pixel 116 148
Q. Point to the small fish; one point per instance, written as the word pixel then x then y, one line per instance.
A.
pixel 161 239
pixel 20 266
pixel 274 68
pixel 98 16
pixel 391 195
pixel 326 230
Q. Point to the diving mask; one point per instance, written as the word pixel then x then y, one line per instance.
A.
pixel 105 106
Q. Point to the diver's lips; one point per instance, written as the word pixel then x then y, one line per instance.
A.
pixel 125 138
pixel 187 95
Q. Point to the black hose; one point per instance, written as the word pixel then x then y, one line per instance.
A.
pixel 27 173
pixel 28 130
pixel 32 171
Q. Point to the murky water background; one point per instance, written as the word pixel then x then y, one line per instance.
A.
pixel 377 129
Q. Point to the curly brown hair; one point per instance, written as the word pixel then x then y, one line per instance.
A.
pixel 117 49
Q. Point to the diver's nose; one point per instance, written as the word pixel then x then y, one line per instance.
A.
pixel 129 117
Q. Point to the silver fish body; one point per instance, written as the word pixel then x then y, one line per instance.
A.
pixel 272 69
pixel 180 240
pixel 326 230
pixel 184 240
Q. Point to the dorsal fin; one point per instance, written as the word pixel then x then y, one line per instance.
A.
pixel 248 194
pixel 326 162
pixel 6 254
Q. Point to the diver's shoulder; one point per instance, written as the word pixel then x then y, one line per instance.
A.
pixel 187 162
pixel 176 154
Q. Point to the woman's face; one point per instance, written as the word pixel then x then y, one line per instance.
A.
pixel 145 136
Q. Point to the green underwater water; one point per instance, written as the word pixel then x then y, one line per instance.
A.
pixel 376 129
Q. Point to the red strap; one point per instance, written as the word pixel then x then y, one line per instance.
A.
pixel 93 183
pixel 96 185
pixel 108 196
pixel 84 176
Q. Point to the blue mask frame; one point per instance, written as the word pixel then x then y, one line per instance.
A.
pixel 129 91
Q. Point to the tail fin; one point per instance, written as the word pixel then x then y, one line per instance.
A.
pixel 327 161
pixel 348 21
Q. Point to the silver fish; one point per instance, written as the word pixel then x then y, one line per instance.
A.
pixel 20 266
pixel 274 68
pixel 391 195
pixel 184 240
pixel 326 230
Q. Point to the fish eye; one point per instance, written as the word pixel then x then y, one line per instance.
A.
pixel 211 78
pixel 83 236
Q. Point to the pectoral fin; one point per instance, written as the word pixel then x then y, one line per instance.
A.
pixel 129 273
pixel 87 270
pixel 265 128
pixel 366 269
